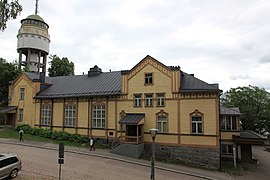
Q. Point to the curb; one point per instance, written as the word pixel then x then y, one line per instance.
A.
pixel 117 159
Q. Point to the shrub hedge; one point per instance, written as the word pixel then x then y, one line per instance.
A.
pixel 56 135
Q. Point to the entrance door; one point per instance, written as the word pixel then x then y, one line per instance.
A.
pixel 10 119
pixel 133 134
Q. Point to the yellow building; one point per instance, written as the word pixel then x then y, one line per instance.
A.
pixel 120 107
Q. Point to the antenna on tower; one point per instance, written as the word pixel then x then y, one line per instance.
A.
pixel 36 10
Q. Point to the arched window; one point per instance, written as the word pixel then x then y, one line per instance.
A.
pixel 162 122
pixel 196 122
pixel 70 115
pixel 45 114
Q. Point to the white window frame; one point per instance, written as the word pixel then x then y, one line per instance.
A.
pixel 160 99
pixel 99 116
pixel 227 149
pixel 162 123
pixel 22 93
pixel 227 123
pixel 46 114
pixel 20 118
pixel 148 100
pixel 196 123
pixel 137 100
pixel 148 78
pixel 70 115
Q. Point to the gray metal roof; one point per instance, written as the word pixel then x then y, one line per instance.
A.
pixel 7 109
pixel 189 83
pixel 250 135
pixel 32 75
pixel 104 84
pixel 131 118
pixel 229 111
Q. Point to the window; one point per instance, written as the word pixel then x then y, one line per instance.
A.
pixel 137 100
pixel 46 114
pixel 21 93
pixel 70 115
pixel 99 116
pixel 196 123
pixel 149 100
pixel 160 99
pixel 162 123
pixel 228 123
pixel 148 78
pixel 226 149
pixel 20 115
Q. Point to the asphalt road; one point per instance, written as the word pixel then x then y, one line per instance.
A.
pixel 42 164
pixel 260 171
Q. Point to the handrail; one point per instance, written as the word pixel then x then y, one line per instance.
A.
pixel 116 142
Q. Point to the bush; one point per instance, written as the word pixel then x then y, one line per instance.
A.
pixel 25 127
pixel 56 135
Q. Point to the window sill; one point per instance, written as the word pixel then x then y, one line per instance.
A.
pixel 102 128
pixel 197 134
pixel 137 106
pixel 223 130
pixel 69 126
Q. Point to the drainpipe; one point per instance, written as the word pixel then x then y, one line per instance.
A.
pixel 219 132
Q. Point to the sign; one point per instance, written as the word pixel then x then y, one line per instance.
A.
pixel 61 153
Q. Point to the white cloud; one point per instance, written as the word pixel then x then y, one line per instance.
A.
pixel 219 41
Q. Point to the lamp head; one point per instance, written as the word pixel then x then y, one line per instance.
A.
pixel 153 133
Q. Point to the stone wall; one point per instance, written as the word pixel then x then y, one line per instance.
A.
pixel 194 156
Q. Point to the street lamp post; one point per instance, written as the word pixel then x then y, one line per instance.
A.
pixel 153 133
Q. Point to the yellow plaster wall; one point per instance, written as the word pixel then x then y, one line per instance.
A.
pixel 28 103
pixel 98 133
pixel 37 112
pixel 83 114
pixel 160 138
pixel 58 113
pixel 199 140
pixel 205 106
pixel 228 135
pixel 82 132
pixel 70 130
pixel 161 83
pixel 111 115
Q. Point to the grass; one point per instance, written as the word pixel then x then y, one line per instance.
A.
pixel 13 134
pixel 228 167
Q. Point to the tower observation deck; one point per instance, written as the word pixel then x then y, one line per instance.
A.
pixel 33 43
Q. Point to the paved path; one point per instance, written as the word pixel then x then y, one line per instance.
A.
pixel 260 171
pixel 105 153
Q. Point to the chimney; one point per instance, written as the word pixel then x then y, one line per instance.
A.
pixel 191 75
pixel 94 71
pixel 42 77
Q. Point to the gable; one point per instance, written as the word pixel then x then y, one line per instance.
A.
pixel 20 78
pixel 148 60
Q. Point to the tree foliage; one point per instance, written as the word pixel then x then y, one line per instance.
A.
pixel 8 10
pixel 8 72
pixel 60 67
pixel 254 104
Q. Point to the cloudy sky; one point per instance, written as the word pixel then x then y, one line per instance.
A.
pixel 225 42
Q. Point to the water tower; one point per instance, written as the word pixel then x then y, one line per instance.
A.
pixel 33 43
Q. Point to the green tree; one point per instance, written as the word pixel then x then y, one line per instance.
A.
pixel 60 67
pixel 8 10
pixel 254 104
pixel 8 72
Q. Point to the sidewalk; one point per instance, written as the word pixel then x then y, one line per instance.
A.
pixel 105 153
